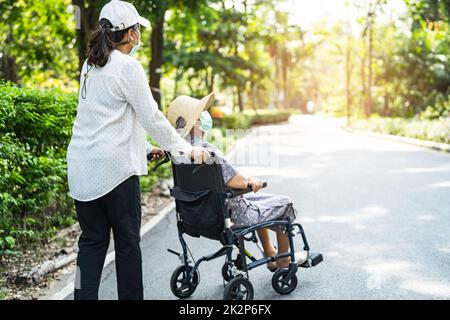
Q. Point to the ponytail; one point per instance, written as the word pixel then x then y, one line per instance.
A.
pixel 102 42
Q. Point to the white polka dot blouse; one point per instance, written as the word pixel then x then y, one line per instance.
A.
pixel 115 111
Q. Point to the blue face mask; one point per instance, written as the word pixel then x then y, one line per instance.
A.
pixel 135 47
pixel 206 121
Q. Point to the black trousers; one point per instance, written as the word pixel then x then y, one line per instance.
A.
pixel 119 210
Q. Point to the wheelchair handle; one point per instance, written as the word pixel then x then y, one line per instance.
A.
pixel 196 169
pixel 236 192
pixel 167 158
pixel 150 156
pixel 212 154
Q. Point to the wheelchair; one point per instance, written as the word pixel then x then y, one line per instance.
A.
pixel 200 196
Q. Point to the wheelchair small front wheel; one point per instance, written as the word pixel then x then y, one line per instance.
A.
pixel 179 284
pixel 281 285
pixel 238 288
pixel 225 274
pixel 237 263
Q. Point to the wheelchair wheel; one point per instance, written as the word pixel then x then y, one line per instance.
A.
pixel 237 262
pixel 179 283
pixel 238 288
pixel 280 284
pixel 225 275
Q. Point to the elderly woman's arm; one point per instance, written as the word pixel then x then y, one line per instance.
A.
pixel 241 182
pixel 232 178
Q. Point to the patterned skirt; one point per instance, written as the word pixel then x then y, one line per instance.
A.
pixel 253 208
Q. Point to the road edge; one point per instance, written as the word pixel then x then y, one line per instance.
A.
pixel 437 146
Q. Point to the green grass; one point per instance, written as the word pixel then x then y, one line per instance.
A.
pixel 431 130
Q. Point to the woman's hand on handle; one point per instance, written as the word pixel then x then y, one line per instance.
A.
pixel 156 154
pixel 200 155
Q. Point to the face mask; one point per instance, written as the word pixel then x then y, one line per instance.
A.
pixel 206 121
pixel 135 47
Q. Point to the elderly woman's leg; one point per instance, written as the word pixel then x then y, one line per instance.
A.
pixel 283 247
pixel 269 249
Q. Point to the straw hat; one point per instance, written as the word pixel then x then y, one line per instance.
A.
pixel 186 111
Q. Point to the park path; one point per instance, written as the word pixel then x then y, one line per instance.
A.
pixel 378 210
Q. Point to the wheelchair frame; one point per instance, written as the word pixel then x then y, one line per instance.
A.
pixel 235 272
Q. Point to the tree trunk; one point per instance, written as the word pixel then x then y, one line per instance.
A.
pixel 363 80
pixel 253 93
pixel 386 105
pixel 285 77
pixel 9 65
pixel 369 85
pixel 348 80
pixel 277 82
pixel 10 69
pixel 211 81
pixel 239 98
pixel 157 47
pixel 177 80
pixel 238 86
pixel 89 22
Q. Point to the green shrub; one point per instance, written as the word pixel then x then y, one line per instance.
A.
pixel 233 121
pixel 42 119
pixel 249 118
pixel 433 130
pixel 35 128
pixel 439 109
pixel 265 117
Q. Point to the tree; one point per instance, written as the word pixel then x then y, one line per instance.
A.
pixel 36 41
pixel 89 14
pixel 216 45
pixel 157 11
pixel 370 9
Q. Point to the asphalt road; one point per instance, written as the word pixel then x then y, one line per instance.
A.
pixel 378 210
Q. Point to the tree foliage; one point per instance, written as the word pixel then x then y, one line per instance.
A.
pixel 37 42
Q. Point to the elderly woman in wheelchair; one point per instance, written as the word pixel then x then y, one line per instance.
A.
pixel 246 211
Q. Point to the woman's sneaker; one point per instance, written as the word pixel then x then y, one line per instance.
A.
pixel 301 257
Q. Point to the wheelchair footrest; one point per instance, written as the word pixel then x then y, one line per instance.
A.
pixel 313 260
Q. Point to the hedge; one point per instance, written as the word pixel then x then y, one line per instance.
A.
pixel 437 130
pixel 35 128
pixel 243 120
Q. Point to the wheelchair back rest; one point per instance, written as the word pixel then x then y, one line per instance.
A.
pixel 198 192
pixel 194 177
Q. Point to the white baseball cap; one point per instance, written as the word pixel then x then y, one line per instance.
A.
pixel 122 15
